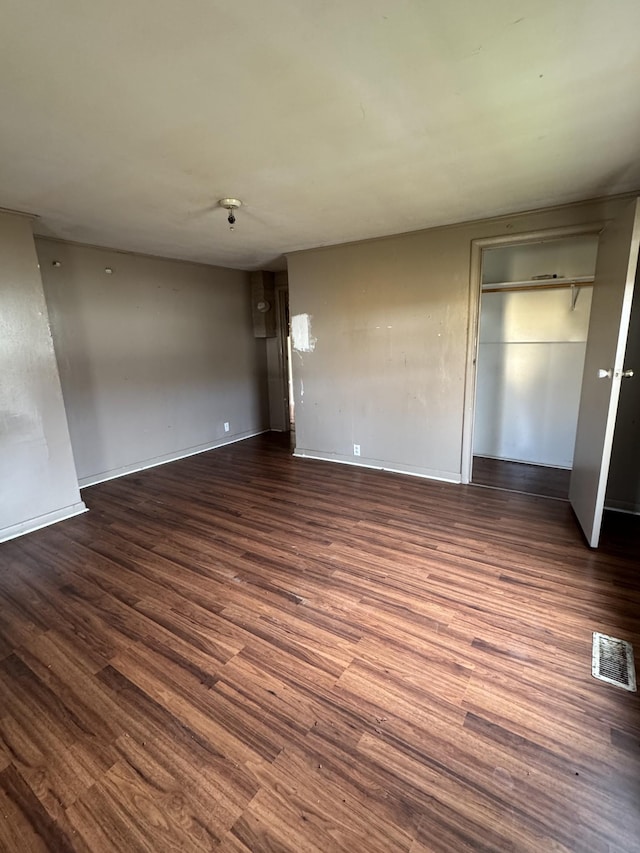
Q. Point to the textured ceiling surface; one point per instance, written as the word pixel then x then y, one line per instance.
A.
pixel 124 122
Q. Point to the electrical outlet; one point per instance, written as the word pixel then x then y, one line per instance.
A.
pixel 356 450
pixel 226 426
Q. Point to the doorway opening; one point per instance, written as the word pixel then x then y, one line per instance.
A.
pixel 606 364
pixel 533 319
pixel 284 341
pixel 282 413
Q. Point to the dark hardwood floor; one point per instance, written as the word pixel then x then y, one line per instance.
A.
pixel 243 651
pixel 521 477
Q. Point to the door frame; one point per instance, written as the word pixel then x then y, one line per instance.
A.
pixel 473 326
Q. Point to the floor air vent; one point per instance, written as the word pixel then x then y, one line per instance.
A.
pixel 612 661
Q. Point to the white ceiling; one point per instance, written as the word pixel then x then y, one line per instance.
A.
pixel 124 121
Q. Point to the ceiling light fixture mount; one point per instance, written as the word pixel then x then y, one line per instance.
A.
pixel 230 204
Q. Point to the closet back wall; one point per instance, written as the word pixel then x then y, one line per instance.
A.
pixel 154 358
pixel 530 361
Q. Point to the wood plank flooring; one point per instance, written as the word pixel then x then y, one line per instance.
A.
pixel 521 477
pixel 243 651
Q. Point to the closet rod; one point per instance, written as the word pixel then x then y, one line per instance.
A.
pixel 554 284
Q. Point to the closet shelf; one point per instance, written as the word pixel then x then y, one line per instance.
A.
pixel 538 284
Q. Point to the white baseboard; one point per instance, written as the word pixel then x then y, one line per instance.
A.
pixel 32 524
pixel 377 465
pixel 94 479
pixel 523 461
pixel 623 506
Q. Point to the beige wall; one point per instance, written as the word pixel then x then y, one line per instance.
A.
pixel 153 358
pixel 38 482
pixel 391 320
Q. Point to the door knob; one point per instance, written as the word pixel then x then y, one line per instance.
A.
pixel 607 374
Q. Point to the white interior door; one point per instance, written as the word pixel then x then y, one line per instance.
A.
pixel 604 368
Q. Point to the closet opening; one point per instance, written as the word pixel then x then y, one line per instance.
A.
pixel 535 301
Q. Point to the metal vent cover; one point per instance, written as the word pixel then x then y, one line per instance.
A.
pixel 612 661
